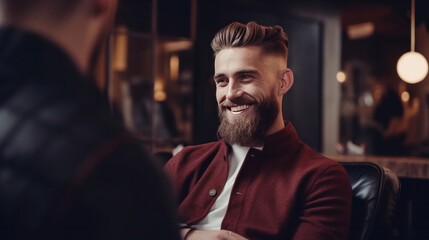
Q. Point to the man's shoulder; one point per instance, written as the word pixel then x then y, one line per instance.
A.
pixel 308 160
pixel 40 122
pixel 193 156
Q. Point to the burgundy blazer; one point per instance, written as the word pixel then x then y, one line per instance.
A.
pixel 285 191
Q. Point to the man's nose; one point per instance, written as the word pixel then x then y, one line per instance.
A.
pixel 234 90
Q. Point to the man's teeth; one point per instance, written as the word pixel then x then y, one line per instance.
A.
pixel 239 108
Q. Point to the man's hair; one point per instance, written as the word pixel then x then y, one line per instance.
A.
pixel 273 40
pixel 22 7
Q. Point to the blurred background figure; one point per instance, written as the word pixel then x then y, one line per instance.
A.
pixel 390 118
pixel 68 170
pixel 375 117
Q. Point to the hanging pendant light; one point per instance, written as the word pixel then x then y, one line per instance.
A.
pixel 412 67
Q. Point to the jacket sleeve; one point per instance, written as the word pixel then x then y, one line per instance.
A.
pixel 326 208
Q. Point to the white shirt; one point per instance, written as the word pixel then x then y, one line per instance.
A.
pixel 213 220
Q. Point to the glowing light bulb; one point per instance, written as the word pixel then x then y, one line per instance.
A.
pixel 341 77
pixel 405 96
pixel 412 67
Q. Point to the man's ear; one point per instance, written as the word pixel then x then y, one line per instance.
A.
pixel 286 81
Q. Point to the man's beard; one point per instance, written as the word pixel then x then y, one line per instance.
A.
pixel 251 130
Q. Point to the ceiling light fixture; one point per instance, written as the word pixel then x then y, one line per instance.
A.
pixel 412 67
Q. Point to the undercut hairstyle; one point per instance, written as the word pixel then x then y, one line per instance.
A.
pixel 21 7
pixel 273 40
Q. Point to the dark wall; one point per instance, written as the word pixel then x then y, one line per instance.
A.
pixel 302 104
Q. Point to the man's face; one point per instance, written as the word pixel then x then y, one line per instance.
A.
pixel 247 83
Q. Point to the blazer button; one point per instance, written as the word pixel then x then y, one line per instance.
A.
pixel 212 192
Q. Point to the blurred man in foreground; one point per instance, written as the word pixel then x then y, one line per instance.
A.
pixel 68 171
pixel 259 181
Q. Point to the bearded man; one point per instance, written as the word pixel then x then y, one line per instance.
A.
pixel 259 180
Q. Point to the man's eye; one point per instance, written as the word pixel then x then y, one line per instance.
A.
pixel 246 77
pixel 221 81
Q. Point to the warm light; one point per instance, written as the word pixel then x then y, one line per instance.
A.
pixel 158 89
pixel 121 49
pixel 177 46
pixel 174 67
pixel 405 96
pixel 160 96
pixel 361 30
pixel 341 77
pixel 412 67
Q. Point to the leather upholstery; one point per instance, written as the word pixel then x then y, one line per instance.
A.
pixel 375 193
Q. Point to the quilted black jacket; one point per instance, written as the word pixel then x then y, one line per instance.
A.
pixel 67 170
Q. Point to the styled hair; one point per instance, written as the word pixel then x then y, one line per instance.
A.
pixel 273 40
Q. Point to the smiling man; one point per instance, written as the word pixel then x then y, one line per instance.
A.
pixel 259 180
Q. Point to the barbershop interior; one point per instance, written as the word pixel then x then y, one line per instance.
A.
pixel 360 95
pixel 349 100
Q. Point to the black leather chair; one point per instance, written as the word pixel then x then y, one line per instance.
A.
pixel 375 194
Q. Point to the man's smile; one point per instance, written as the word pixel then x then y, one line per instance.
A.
pixel 239 108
